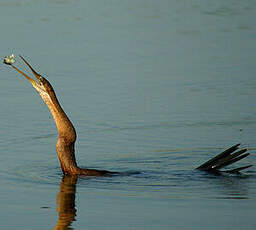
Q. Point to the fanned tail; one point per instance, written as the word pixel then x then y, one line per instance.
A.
pixel 226 158
pixel 237 170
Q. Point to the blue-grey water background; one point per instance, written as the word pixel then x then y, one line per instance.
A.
pixel 154 88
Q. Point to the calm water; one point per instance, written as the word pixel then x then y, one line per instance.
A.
pixel 154 88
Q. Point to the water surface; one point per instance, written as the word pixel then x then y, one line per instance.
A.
pixel 153 89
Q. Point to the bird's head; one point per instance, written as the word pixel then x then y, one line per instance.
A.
pixel 42 85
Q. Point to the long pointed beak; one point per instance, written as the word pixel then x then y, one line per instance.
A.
pixel 33 82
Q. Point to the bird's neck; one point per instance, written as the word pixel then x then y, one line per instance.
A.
pixel 65 127
pixel 67 134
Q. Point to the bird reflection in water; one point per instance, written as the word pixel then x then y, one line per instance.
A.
pixel 66 207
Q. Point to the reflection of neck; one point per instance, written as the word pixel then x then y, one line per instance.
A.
pixel 66 202
pixel 67 134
